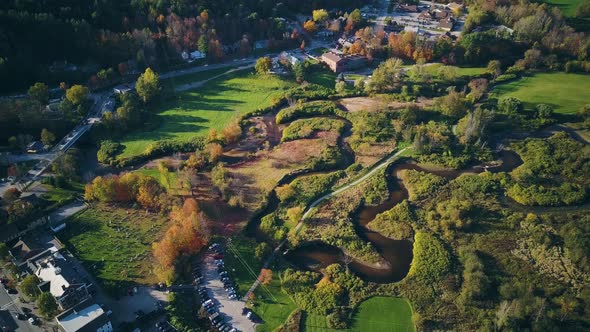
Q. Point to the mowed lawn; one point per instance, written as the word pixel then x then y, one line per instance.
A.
pixel 567 93
pixel 383 314
pixel 377 314
pixel 273 305
pixel 567 7
pixel 115 244
pixel 214 105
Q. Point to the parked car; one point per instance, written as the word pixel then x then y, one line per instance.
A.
pixel 20 316
pixel 218 256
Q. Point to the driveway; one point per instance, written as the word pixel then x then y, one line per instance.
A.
pixel 231 309
pixel 66 211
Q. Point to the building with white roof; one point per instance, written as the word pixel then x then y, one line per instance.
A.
pixel 59 277
pixel 85 317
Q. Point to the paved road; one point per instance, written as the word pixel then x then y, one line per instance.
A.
pixel 12 305
pixel 311 208
pixel 67 211
pixel 231 309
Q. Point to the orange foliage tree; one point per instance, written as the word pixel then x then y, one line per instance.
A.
pixel 182 238
pixel 265 276
pixel 310 26
pixel 128 187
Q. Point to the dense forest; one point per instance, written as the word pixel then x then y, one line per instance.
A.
pixel 39 40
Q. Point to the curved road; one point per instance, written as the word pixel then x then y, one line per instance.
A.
pixel 309 210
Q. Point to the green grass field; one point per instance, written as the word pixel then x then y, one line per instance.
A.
pixel 243 266
pixel 114 244
pixel 273 305
pixel 567 93
pixel 322 76
pixel 383 314
pixel 461 71
pixel 377 314
pixel 193 113
pixel 198 76
pixel 567 7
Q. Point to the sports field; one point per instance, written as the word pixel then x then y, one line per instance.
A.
pixel 567 93
pixel 377 314
pixel 193 113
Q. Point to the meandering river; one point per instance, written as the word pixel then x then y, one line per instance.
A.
pixel 397 253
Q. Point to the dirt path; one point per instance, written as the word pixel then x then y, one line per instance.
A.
pixel 198 84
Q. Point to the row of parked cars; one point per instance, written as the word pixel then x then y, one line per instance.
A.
pixel 216 317
pixel 228 284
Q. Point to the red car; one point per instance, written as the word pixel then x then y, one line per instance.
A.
pixel 218 256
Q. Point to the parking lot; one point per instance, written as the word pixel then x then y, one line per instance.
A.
pixel 226 310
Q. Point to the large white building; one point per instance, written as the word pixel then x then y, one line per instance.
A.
pixel 85 317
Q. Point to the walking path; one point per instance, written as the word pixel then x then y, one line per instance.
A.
pixel 198 84
pixel 309 210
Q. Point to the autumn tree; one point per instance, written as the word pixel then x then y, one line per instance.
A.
pixel 181 238
pixel 285 192
pixel 265 276
pixel 320 15
pixel 77 94
pixel 310 26
pixel 356 17
pixel 149 194
pixel 148 85
pixel 263 65
pixel 39 92
pixel 47 137
pixel 214 151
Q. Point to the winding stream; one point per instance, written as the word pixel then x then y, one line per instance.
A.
pixel 397 253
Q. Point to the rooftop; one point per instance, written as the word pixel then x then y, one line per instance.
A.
pixel 83 317
pixel 55 272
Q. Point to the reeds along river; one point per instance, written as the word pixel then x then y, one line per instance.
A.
pixel 397 253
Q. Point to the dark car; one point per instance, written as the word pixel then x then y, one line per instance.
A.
pixel 12 291
pixel 20 316
pixel 245 311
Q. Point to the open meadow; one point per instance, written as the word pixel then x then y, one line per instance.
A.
pixel 115 244
pixel 377 314
pixel 193 113
pixel 566 93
